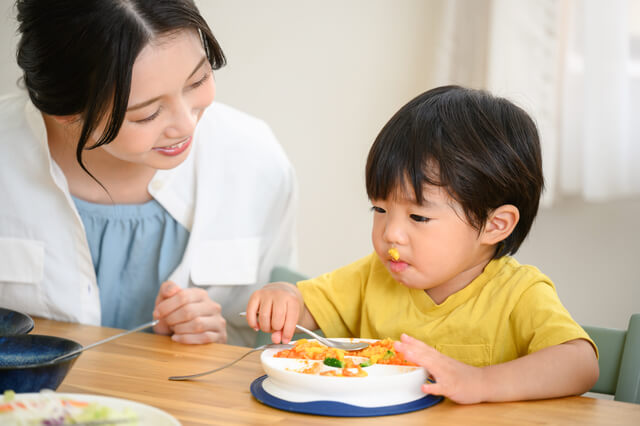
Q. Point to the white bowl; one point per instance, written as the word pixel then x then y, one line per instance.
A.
pixel 384 385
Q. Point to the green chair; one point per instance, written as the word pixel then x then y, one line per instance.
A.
pixel 281 273
pixel 619 360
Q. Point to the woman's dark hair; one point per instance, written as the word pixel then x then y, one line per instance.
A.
pixel 482 149
pixel 77 56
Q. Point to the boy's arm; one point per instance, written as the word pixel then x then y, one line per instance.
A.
pixel 570 368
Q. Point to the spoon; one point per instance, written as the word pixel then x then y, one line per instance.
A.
pixel 124 333
pixel 345 346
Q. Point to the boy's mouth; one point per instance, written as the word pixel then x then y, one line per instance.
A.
pixel 397 265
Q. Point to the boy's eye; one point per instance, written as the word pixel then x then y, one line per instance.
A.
pixel 378 209
pixel 418 218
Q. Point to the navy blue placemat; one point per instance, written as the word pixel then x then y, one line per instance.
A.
pixel 338 409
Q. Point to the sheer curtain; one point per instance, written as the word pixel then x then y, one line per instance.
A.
pixel 570 63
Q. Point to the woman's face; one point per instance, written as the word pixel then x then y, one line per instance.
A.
pixel 171 85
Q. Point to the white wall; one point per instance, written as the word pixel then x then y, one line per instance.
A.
pixel 327 76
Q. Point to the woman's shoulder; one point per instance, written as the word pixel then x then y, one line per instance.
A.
pixel 12 110
pixel 233 125
pixel 239 136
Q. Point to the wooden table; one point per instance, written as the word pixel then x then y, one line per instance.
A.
pixel 136 367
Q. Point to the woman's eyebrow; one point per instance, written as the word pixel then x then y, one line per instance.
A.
pixel 152 100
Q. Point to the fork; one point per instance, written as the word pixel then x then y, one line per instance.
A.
pixel 345 346
pixel 229 364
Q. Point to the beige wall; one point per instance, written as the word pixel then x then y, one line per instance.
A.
pixel 326 76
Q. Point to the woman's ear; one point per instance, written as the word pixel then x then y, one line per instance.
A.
pixel 66 119
pixel 500 224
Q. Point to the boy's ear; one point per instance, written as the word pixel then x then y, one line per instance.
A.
pixel 500 224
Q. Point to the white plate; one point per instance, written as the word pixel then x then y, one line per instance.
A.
pixel 385 384
pixel 148 415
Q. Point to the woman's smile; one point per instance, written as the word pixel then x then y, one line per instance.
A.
pixel 174 149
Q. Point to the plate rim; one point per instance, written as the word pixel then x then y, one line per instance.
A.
pixel 91 397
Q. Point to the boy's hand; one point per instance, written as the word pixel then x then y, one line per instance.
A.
pixel 276 308
pixel 189 315
pixel 455 380
pixel 570 368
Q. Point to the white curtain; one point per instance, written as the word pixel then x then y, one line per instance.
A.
pixel 570 64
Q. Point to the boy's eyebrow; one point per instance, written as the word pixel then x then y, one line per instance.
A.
pixel 428 203
pixel 152 100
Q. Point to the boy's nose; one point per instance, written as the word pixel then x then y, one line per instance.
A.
pixel 394 233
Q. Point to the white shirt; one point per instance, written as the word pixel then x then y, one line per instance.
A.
pixel 235 193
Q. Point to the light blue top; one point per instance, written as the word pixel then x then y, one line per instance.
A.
pixel 134 248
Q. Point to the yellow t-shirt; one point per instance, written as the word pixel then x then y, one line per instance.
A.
pixel 508 311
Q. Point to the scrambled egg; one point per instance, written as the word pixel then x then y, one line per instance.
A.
pixel 393 252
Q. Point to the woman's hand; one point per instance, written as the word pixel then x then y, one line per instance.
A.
pixel 276 308
pixel 188 315
pixel 457 381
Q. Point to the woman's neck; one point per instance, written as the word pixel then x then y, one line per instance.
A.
pixel 125 183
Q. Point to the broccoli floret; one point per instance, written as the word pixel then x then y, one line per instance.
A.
pixel 333 362
pixel 389 354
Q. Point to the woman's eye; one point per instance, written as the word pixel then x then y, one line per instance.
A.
pixel 149 118
pixel 201 81
pixel 418 218
pixel 378 209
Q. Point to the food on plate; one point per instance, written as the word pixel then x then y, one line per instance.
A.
pixel 50 409
pixel 346 364
pixel 394 253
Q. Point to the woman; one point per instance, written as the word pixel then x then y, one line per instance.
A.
pixel 126 193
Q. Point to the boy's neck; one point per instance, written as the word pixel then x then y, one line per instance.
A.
pixel 440 293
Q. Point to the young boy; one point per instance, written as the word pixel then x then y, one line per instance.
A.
pixel 455 179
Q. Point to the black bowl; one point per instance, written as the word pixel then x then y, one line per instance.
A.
pixel 25 362
pixel 13 322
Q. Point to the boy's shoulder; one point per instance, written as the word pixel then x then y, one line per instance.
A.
pixel 506 274
pixel 507 268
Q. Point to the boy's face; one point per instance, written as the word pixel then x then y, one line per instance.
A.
pixel 439 250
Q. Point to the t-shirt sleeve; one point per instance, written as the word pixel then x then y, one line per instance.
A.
pixel 335 298
pixel 540 320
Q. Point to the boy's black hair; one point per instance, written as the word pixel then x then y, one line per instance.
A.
pixel 482 149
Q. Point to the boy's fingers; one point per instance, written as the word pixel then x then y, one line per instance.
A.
pixel 264 316
pixel 278 316
pixel 276 336
pixel 291 320
pixel 431 388
pixel 252 309
pixel 405 338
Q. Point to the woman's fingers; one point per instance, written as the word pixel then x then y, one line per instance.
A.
pixel 189 314
pixel 200 338
pixel 209 328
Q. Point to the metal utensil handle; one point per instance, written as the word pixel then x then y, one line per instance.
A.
pixel 84 348
pixel 193 376
pixel 319 338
